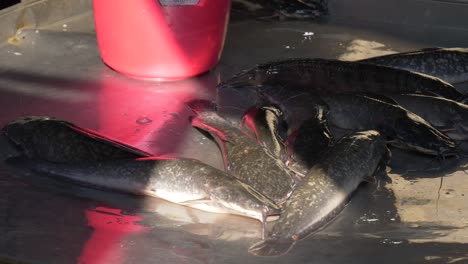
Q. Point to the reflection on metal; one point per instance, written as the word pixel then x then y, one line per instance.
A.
pixel 359 49
pixel 34 13
pixel 110 229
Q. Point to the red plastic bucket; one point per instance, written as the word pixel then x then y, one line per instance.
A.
pixel 168 39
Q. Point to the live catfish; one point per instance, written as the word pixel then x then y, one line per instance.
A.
pixel 55 140
pixel 325 191
pixel 448 64
pixel 243 157
pixel 320 75
pixel 182 181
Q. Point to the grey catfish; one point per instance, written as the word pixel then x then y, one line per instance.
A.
pixel 321 75
pixel 243 157
pixel 307 144
pixel 402 128
pixel 449 116
pixel 325 191
pixel 294 9
pixel 268 127
pixel 183 181
pixel 56 140
pixel 448 64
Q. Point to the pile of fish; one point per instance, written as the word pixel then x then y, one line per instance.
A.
pixel 317 130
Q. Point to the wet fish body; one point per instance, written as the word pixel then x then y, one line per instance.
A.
pixel 307 144
pixel 449 116
pixel 403 128
pixel 296 103
pixel 243 157
pixel 448 64
pixel 182 181
pixel 60 141
pixel 321 75
pixel 324 192
pixel 268 127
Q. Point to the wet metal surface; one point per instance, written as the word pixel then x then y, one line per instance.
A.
pixel 411 216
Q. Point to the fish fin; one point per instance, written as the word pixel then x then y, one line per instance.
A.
pixel 218 137
pixel 273 208
pixel 224 153
pixel 197 122
pixel 107 140
pixel 201 105
pixel 380 97
pixel 264 221
pixel 272 246
pixel 248 124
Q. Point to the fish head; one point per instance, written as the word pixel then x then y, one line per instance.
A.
pixel 273 117
pixel 416 134
pixel 371 140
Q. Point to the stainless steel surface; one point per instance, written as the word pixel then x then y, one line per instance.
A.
pixel 410 217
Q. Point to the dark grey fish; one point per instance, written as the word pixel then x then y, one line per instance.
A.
pixel 290 9
pixel 448 64
pixel 402 128
pixel 321 75
pixel 183 181
pixel 325 191
pixel 56 140
pixel 307 144
pixel 296 104
pixel 243 157
pixel 446 115
pixel 267 125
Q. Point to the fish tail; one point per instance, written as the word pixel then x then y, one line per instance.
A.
pixel 272 246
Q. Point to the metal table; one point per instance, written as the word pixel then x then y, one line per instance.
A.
pixel 54 68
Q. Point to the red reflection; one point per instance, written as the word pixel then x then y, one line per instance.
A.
pixel 150 115
pixel 110 228
pixel 248 123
